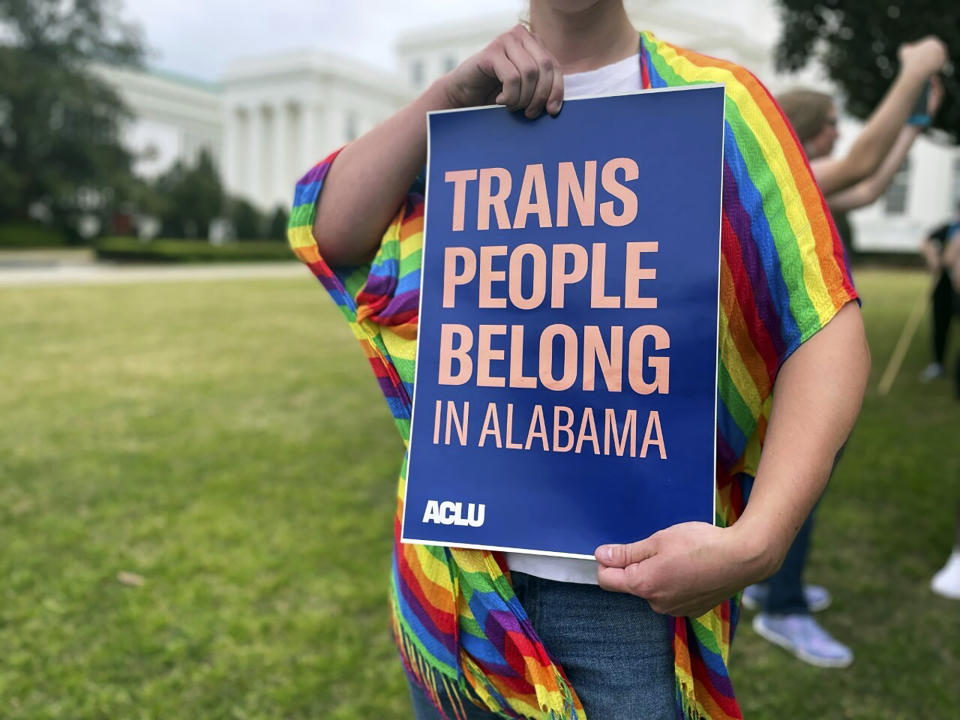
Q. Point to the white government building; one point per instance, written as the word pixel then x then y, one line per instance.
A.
pixel 271 116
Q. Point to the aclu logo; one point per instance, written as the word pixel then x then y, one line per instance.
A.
pixel 451 513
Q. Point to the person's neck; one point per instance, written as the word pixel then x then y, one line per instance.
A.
pixel 580 41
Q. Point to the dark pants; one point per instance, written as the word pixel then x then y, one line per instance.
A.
pixel 943 309
pixel 785 596
pixel 956 370
pixel 785 587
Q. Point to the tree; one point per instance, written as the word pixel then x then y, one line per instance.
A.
pixel 59 122
pixel 278 224
pixel 189 197
pixel 857 42
pixel 202 194
pixel 246 219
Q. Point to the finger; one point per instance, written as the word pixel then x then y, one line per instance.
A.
pixel 613 579
pixel 509 77
pixel 623 555
pixel 555 97
pixel 547 76
pixel 555 100
pixel 633 579
pixel 527 67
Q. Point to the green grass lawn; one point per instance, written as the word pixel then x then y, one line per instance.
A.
pixel 226 442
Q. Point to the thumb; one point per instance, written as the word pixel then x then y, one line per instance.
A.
pixel 623 555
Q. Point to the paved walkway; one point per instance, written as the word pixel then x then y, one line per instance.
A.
pixel 106 274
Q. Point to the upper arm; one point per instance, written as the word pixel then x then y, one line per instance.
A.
pixel 784 273
pixel 366 287
pixel 344 236
pixel 380 298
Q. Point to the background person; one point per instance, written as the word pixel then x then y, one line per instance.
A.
pixel 947 580
pixel 851 181
pixel 942 301
pixel 951 261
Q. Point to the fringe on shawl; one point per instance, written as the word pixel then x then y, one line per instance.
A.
pixel 446 692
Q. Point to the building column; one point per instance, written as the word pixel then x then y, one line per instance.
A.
pixel 281 181
pixel 230 167
pixel 254 150
pixel 307 149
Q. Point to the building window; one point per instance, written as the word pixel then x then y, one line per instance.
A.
pixel 352 128
pixel 449 63
pixel 895 199
pixel 416 73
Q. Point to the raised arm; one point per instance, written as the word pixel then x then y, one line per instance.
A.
pixel 514 70
pixel 918 61
pixel 868 191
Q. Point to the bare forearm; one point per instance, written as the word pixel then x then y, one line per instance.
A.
pixel 384 163
pixel 867 192
pixel 817 398
pixel 919 62
pixel 874 142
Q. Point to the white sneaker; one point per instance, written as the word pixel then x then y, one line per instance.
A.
pixel 947 581
pixel 931 372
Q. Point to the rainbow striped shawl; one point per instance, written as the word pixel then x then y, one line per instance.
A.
pixel 458 625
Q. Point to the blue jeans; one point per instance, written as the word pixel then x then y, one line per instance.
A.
pixel 617 652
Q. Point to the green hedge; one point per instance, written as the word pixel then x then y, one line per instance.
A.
pixel 873 258
pixel 30 235
pixel 189 251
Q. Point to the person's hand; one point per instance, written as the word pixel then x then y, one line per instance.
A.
pixel 923 57
pixel 935 98
pixel 514 70
pixel 687 569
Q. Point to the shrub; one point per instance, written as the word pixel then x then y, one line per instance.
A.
pixel 30 235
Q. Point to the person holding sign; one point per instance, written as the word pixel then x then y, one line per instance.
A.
pixel 645 630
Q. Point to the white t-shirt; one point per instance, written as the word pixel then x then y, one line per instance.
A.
pixel 622 76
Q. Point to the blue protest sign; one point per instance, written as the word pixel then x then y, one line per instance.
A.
pixel 565 391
